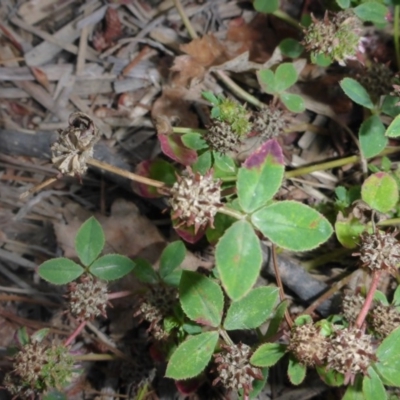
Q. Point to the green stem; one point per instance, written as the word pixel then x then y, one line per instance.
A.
pixel 95 357
pixel 225 336
pixel 396 34
pixel 185 19
pixel 232 213
pixel 180 129
pixel 389 222
pixel 287 18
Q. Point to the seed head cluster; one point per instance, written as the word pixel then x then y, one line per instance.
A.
pixel 234 368
pixel 221 137
pixel 87 298
pixel 384 319
pixel 337 37
pixel 155 307
pixel 195 199
pixel 351 306
pixel 38 367
pixel 379 251
pixel 377 79
pixel 350 352
pixel 269 122
pixel 308 345
pixel 75 145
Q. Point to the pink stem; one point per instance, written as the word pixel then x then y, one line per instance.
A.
pixel 118 295
pixel 77 331
pixel 376 275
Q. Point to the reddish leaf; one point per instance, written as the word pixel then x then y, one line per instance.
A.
pixel 187 233
pixel 270 148
pixel 174 148
pixel 189 386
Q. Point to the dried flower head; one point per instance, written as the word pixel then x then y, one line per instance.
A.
pixel 384 319
pixel 351 306
pixel 379 251
pixel 195 199
pixel 350 352
pixel 234 368
pixel 377 79
pixel 338 37
pixel 75 145
pixel 87 298
pixel 38 367
pixel 308 345
pixel 270 122
pixel 221 137
pixel 155 307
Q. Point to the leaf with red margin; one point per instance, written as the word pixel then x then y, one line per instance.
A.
pixel 173 147
pixel 260 176
pixel 187 232
pixel 156 169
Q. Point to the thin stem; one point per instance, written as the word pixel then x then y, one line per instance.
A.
pixel 77 331
pixel 389 222
pixel 185 19
pixel 282 295
pixel 118 295
pixel 125 174
pixel 95 357
pixel 225 336
pixel 232 213
pixel 376 275
pixel 287 18
pixel 38 187
pixel 181 129
pixel 335 288
pixel 396 34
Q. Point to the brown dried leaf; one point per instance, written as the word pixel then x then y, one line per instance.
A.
pixel 188 71
pixel 111 32
pixel 41 77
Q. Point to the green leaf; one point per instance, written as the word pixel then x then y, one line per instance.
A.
pixel 343 3
pixel 390 106
pixel 203 163
pixel 39 335
pixel 23 337
pixel 291 48
pixel 356 92
pixel 268 354
pixel 194 140
pixel 192 356
pixel 292 225
pixel 296 371
pixel 267 81
pixel 380 192
pixel 201 298
pixel 372 387
pixel 60 271
pixel 372 136
pixel 330 377
pixel 348 232
pixel 321 59
pixel 380 297
pixel 144 271
pixel 111 267
pixel 89 241
pixel 285 76
pixel 261 176
pixel 223 165
pixel 55 395
pixel 396 298
pixel 293 102
pixel 252 310
pixel 277 319
pixel 388 353
pixel 266 6
pixel 354 392
pixel 257 386
pixel 238 259
pixel 372 12
pixel 393 129
pixel 171 258
pixel 210 96
pixel 221 223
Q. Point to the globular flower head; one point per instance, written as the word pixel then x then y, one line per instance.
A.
pixel 155 307
pixel 337 37
pixel 350 352
pixel 377 79
pixel 269 122
pixel 195 199
pixel 75 145
pixel 351 306
pixel 234 368
pixel 221 137
pixel 308 345
pixel 87 298
pixel 384 319
pixel 38 367
pixel 379 251
pixel 235 115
